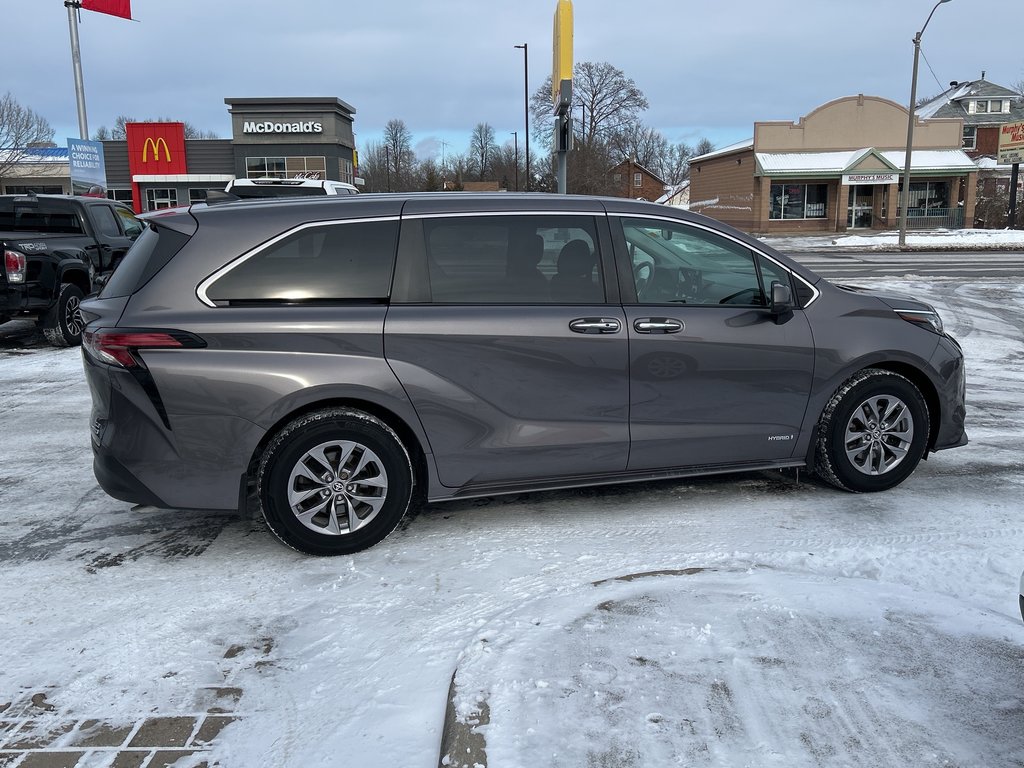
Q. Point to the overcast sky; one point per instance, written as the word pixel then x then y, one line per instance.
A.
pixel 707 68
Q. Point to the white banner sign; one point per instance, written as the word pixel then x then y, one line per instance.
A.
pixel 870 178
pixel 1011 143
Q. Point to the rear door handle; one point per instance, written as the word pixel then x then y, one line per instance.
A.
pixel 595 325
pixel 657 325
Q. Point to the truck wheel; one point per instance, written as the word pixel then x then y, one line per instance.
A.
pixel 63 324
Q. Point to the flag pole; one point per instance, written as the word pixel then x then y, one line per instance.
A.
pixel 76 63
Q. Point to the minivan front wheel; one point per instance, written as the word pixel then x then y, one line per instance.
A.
pixel 334 482
pixel 873 432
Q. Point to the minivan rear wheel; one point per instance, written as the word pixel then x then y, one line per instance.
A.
pixel 334 482
pixel 873 432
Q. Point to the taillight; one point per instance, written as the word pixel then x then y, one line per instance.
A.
pixel 14 264
pixel 117 346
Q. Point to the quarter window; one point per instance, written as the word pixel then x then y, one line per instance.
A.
pixel 676 264
pixel 316 264
pixel 513 260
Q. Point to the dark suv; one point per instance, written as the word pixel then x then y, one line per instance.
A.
pixel 343 358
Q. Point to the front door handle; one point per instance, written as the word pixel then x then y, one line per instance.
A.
pixel 595 325
pixel 657 325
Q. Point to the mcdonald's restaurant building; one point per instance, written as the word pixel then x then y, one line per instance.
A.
pixel 838 169
pixel 157 167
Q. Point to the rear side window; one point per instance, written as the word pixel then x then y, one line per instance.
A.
pixel 513 260
pixel 147 256
pixel 317 263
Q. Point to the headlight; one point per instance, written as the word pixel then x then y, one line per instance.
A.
pixel 926 318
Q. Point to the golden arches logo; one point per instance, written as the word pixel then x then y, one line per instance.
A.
pixel 156 149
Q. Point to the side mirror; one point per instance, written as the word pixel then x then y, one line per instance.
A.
pixel 782 299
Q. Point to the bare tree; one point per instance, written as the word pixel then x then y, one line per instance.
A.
pixel 119 132
pixel 482 148
pixel 607 101
pixel 399 154
pixel 675 166
pixel 20 128
pixel 647 146
pixel 703 147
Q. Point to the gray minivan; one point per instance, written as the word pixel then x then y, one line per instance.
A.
pixel 345 358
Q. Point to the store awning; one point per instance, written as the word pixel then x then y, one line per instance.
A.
pixel 866 160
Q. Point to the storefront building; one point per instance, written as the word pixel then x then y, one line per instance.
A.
pixel 157 167
pixel 837 169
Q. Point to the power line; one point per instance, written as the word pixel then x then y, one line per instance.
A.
pixel 941 86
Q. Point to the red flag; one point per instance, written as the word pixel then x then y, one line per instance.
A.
pixel 122 8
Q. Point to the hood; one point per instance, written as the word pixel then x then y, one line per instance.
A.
pixel 892 300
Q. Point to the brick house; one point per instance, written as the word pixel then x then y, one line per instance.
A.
pixel 630 179
pixel 984 107
pixel 838 168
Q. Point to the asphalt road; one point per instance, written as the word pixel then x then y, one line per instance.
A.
pixel 968 264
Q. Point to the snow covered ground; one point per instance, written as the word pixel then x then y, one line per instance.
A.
pixel 780 623
pixel 951 239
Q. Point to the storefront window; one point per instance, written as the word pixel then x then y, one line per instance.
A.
pixel 312 167
pixel 161 198
pixel 928 198
pixel 798 201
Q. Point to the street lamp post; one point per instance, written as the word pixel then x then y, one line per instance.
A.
pixel 905 193
pixel 515 149
pixel 526 107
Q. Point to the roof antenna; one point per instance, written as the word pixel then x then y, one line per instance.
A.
pixel 983 74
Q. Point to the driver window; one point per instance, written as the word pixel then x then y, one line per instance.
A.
pixel 676 264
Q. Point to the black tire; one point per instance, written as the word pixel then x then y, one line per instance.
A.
pixel 861 453
pixel 63 324
pixel 310 521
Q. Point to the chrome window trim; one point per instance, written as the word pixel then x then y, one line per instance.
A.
pixel 239 260
pixel 815 293
pixel 465 214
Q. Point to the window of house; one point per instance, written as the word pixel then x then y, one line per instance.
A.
pixel 981 106
pixel 617 178
pixel 316 263
pixel 970 136
pixel 638 179
pixel 798 201
pixel 513 260
pixel 157 199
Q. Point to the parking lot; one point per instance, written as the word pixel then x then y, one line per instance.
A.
pixel 754 619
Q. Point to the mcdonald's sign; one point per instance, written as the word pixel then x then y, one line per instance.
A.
pixel 156 149
pixel 155 146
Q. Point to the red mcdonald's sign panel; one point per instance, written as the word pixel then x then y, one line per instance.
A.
pixel 156 149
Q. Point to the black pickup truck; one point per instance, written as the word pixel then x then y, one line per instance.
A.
pixel 58 249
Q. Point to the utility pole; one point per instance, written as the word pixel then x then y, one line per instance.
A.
pixel 73 7
pixel 526 107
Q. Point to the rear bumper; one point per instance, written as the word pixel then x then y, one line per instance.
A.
pixel 118 481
